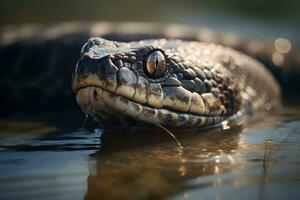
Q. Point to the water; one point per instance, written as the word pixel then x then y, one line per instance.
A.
pixel 259 160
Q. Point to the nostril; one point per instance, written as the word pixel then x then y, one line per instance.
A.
pixel 84 69
pixel 83 72
pixel 83 66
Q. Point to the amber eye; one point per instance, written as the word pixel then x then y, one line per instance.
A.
pixel 156 64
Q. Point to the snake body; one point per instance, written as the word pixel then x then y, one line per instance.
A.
pixel 206 78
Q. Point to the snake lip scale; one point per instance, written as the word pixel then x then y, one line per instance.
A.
pixel 88 105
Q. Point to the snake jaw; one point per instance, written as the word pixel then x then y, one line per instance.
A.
pixel 94 99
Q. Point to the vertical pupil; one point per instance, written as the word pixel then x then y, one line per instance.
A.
pixel 156 62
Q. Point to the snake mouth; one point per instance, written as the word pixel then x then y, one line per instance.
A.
pixel 93 98
pixel 96 99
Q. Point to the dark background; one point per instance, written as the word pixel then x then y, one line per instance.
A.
pixel 267 18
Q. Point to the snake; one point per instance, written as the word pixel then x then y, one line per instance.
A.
pixel 170 82
pixel 170 75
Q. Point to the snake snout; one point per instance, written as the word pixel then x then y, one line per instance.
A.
pixel 86 69
pixel 87 65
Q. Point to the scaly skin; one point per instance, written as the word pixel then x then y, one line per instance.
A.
pixel 203 84
pixel 36 61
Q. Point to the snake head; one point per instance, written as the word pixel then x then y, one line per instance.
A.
pixel 146 80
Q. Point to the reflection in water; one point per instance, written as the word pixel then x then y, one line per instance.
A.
pixel 159 170
pixel 257 161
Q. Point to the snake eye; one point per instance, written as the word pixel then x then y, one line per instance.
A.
pixel 156 64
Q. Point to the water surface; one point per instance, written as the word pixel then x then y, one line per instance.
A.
pixel 259 160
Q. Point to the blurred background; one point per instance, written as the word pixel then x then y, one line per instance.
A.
pixel 263 18
pixel 44 154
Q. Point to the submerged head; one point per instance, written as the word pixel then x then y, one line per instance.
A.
pixel 150 81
